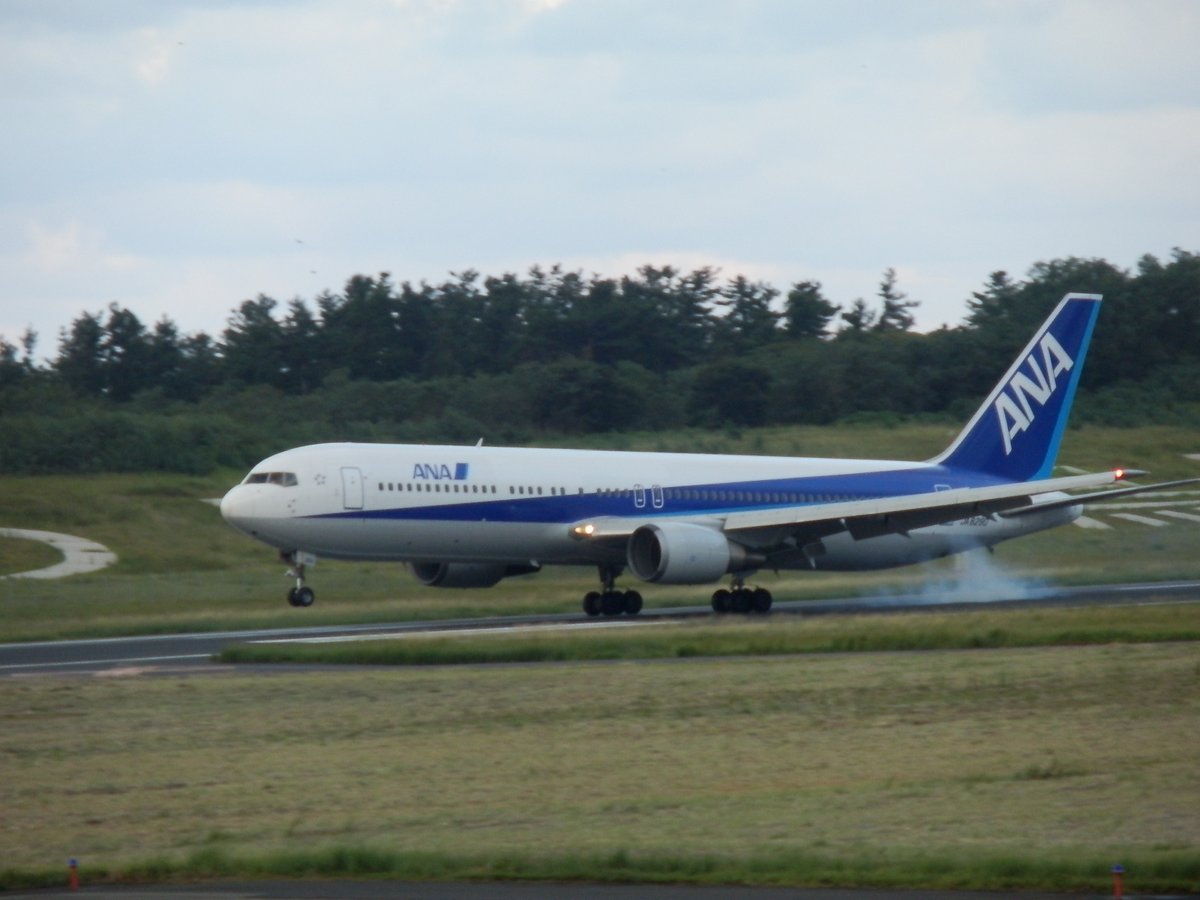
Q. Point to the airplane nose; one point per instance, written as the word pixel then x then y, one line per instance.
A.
pixel 237 506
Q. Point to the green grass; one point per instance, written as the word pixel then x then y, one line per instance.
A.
pixel 182 568
pixel 20 555
pixel 780 636
pixel 1002 769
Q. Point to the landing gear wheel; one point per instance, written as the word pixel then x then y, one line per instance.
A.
pixel 721 601
pixel 612 603
pixel 632 602
pixel 761 600
pixel 741 601
pixel 591 603
pixel 299 595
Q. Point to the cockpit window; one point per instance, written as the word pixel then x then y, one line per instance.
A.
pixel 283 479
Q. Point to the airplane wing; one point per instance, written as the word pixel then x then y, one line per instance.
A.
pixel 1098 496
pixel 890 515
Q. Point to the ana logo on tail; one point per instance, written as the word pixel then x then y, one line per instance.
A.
pixel 1014 411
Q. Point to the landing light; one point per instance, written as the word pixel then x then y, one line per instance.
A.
pixel 583 531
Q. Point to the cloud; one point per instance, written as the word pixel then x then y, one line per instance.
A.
pixel 171 153
pixel 154 60
pixel 71 247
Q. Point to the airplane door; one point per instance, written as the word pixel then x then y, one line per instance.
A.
pixel 352 488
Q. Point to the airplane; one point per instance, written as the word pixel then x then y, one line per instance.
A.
pixel 469 516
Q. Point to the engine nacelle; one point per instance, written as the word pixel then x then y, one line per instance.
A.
pixel 466 574
pixel 683 553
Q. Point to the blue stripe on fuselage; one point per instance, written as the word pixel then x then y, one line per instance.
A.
pixel 685 500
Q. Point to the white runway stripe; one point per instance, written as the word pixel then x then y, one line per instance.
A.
pixel 462 632
pixel 1175 514
pixel 1148 504
pixel 1141 520
pixel 1089 522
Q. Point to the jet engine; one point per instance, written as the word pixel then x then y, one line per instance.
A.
pixel 684 553
pixel 466 574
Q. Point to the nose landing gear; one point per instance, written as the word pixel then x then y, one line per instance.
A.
pixel 301 595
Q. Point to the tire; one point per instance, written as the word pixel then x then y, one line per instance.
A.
pixel 591 604
pixel 305 597
pixel 761 601
pixel 632 602
pixel 741 601
pixel 721 600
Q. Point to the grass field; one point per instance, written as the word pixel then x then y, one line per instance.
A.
pixel 20 555
pixel 1012 767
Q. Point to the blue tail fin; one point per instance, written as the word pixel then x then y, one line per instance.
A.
pixel 1016 432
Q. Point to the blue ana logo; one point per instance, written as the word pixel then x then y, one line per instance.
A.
pixel 1015 405
pixel 440 472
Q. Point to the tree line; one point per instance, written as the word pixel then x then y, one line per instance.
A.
pixel 553 352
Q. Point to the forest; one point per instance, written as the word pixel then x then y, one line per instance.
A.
pixel 554 354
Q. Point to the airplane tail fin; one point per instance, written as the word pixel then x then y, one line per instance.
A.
pixel 1016 433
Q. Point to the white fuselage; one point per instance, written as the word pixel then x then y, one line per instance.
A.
pixel 514 506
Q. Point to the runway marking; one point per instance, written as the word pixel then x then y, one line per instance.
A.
pixel 1190 517
pixel 1089 522
pixel 1141 520
pixel 1151 504
pixel 102 662
pixel 461 632
pixel 79 554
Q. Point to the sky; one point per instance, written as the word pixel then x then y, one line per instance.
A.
pixel 178 157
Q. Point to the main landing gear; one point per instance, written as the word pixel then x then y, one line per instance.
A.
pixel 610 601
pixel 301 595
pixel 741 599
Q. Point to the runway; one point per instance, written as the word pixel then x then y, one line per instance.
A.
pixel 181 653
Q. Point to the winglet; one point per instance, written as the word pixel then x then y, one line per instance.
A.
pixel 1016 433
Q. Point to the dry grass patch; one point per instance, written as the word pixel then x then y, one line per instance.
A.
pixel 1061 751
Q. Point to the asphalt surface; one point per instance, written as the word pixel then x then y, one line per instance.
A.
pixel 181 653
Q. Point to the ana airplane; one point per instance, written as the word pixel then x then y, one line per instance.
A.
pixel 465 516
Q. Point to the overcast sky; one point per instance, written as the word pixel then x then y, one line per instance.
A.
pixel 180 157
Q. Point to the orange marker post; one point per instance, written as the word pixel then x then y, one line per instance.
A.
pixel 1118 874
pixel 72 874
